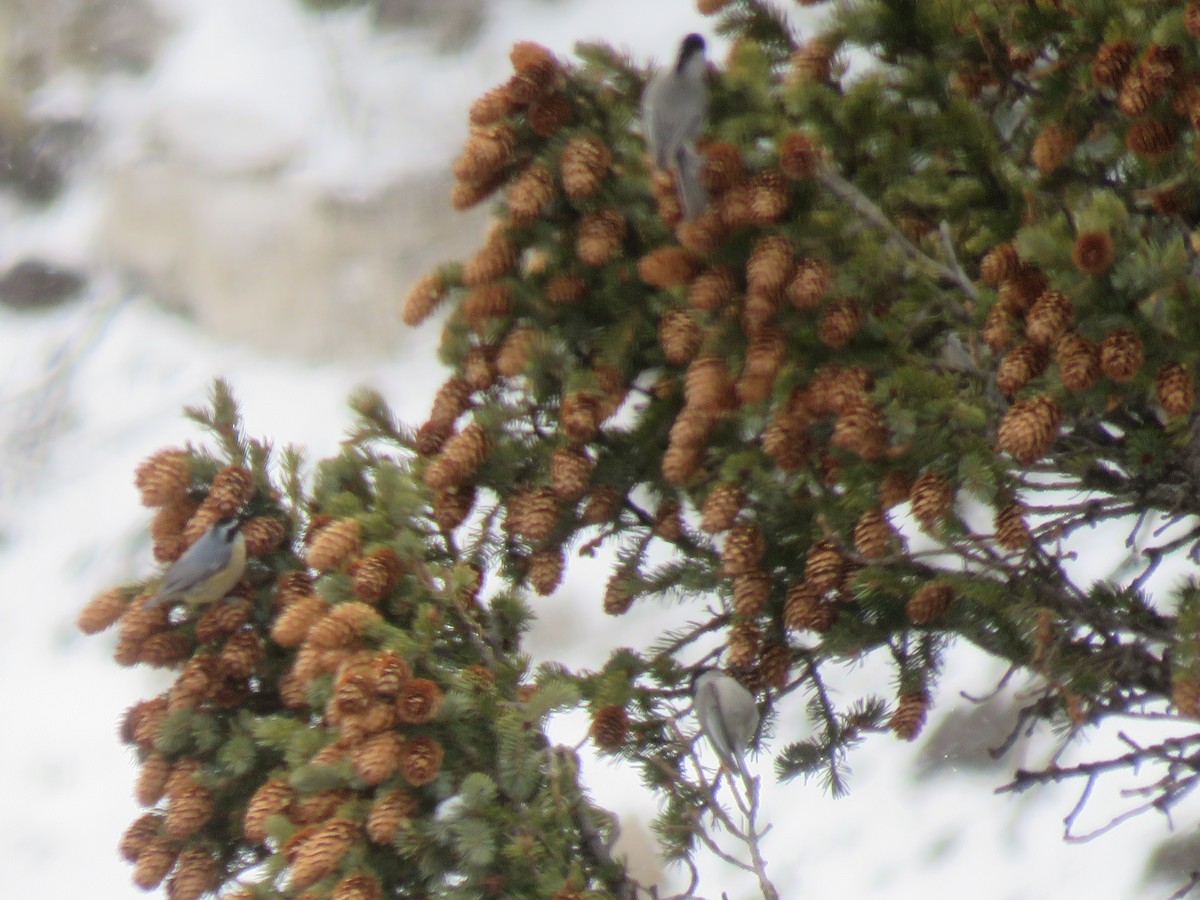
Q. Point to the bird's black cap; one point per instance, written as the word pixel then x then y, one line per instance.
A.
pixel 692 44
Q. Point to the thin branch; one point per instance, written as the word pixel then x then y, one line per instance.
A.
pixel 864 206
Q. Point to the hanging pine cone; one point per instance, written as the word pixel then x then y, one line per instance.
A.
pixel 723 167
pixel 1051 148
pixel 585 162
pixel 516 350
pixel 833 386
pixel 769 197
pixel 494 105
pixel 750 593
pixel 743 550
pixel 529 194
pixel 799 155
pixel 486 303
pixel 1078 362
pixel 712 289
pixel 909 717
pixel 774 663
pixel 667 267
pixel 546 570
pixel 195 875
pixel 1029 428
pixel 423 298
pixel 1121 354
pixel 163 478
pixel 495 259
pixel 1151 138
pixel 721 506
pixel 786 442
pixel 707 386
pixel 461 457
pixel 841 318
pixel 333 544
pixel 388 812
pixel 603 504
pixel 570 472
pixel 806 611
pixel 1185 695
pixel 452 505
pixel 999 264
pixel 618 596
pixel 1012 532
pixel 812 61
pixel 930 601
pixel 1093 252
pixel 1018 292
pixel 931 497
pixel 873 534
pixel 1138 93
pixel 531 512
pixel 1174 388
pixel 765 354
pixel 998 328
pixel 1049 317
pixel 679 335
pixel 860 429
pixel 610 727
pixel 809 282
pixel 824 566
pixel 894 489
pixel 742 647
pixel 1019 366
pixel 1191 18
pixel 599 236
pixel 1112 62
pixel 579 416
pixel 770 265
pixel 686 444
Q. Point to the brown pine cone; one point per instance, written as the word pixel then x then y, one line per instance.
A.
pixel 932 497
pixel 1029 428
pixel 908 718
pixel 930 601
pixel 1174 388
pixel 610 727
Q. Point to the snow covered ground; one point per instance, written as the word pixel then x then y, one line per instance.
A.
pixel 89 390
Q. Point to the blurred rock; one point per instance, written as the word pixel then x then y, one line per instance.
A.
pixel 33 284
pixel 455 23
pixel 282 267
pixel 1173 862
pixel 27 166
pixel 965 736
pixel 44 38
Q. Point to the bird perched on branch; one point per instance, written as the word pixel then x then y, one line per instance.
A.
pixel 674 106
pixel 208 569
pixel 727 714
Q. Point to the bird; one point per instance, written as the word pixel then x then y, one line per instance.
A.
pixel 207 570
pixel 727 714
pixel 674 106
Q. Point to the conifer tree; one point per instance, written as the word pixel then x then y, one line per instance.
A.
pixel 961 274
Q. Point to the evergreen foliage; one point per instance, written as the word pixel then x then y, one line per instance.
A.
pixel 962 274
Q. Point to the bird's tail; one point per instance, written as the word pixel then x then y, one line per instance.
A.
pixel 692 195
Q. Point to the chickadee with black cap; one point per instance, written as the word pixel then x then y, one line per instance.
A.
pixel 207 570
pixel 727 714
pixel 674 105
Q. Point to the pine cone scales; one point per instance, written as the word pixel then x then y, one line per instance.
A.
pixel 610 727
pixel 1029 428
pixel 584 164
pixel 1121 354
pixel 1174 389
pixel 909 716
pixel 163 478
pixel 721 506
pixel 932 497
pixel 931 601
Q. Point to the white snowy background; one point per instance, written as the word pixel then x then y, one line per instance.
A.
pixel 87 390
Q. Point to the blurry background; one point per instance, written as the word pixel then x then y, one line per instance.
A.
pixel 246 188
